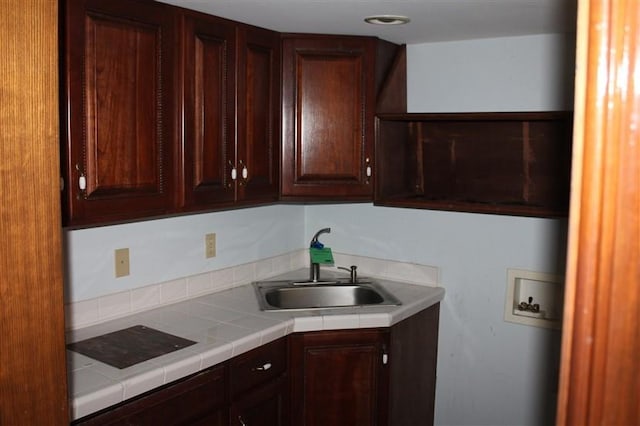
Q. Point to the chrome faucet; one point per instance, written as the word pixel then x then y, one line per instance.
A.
pixel 314 271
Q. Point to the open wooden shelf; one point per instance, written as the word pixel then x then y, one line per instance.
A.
pixel 500 163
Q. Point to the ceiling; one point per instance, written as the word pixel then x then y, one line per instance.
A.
pixel 431 20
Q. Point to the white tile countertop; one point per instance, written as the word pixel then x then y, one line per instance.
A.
pixel 224 325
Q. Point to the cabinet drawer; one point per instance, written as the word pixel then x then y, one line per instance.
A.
pixel 258 366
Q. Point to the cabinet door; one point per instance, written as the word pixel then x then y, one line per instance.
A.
pixel 264 406
pixel 339 378
pixel 209 46
pixel 118 106
pixel 328 112
pixel 413 359
pixel 258 114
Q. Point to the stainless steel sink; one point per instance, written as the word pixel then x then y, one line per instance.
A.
pixel 303 295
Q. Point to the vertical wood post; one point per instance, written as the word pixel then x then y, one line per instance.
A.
pixel 600 375
pixel 33 387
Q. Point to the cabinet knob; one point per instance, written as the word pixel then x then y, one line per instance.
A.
pixel 82 180
pixel 234 171
pixel 263 367
pixel 245 171
pixel 368 170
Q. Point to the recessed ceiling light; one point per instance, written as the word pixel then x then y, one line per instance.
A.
pixel 387 19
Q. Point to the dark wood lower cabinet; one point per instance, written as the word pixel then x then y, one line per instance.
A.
pixel 412 362
pixel 265 406
pixel 258 382
pixel 369 377
pixel 197 400
pixel 250 389
pixel 362 377
pixel 339 378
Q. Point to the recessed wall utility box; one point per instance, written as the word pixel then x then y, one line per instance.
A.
pixel 534 298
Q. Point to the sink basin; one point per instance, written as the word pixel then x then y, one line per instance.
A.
pixel 303 295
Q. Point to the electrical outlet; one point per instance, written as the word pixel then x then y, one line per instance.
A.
pixel 122 262
pixel 210 245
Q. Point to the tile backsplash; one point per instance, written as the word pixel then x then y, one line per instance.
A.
pixel 116 305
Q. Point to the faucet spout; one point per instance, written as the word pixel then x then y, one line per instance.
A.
pixel 314 271
pixel 314 240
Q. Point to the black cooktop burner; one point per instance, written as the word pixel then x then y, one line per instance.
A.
pixel 129 346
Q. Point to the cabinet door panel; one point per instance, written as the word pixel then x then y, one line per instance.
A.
pixel 338 378
pixel 258 113
pixel 122 148
pixel 329 111
pixel 328 93
pixel 209 82
pixel 413 359
pixel 119 106
pixel 265 406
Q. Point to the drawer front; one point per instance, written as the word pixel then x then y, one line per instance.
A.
pixel 258 366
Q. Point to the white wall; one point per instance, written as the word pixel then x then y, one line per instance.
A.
pixel 490 372
pixel 166 249
pixel 532 73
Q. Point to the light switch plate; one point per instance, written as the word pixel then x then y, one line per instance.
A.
pixel 210 245
pixel 122 262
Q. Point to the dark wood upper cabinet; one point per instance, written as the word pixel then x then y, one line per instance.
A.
pixel 328 111
pixel 208 139
pixel 258 112
pixel 117 111
pixel 501 163
pixel 167 111
pixel 231 112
